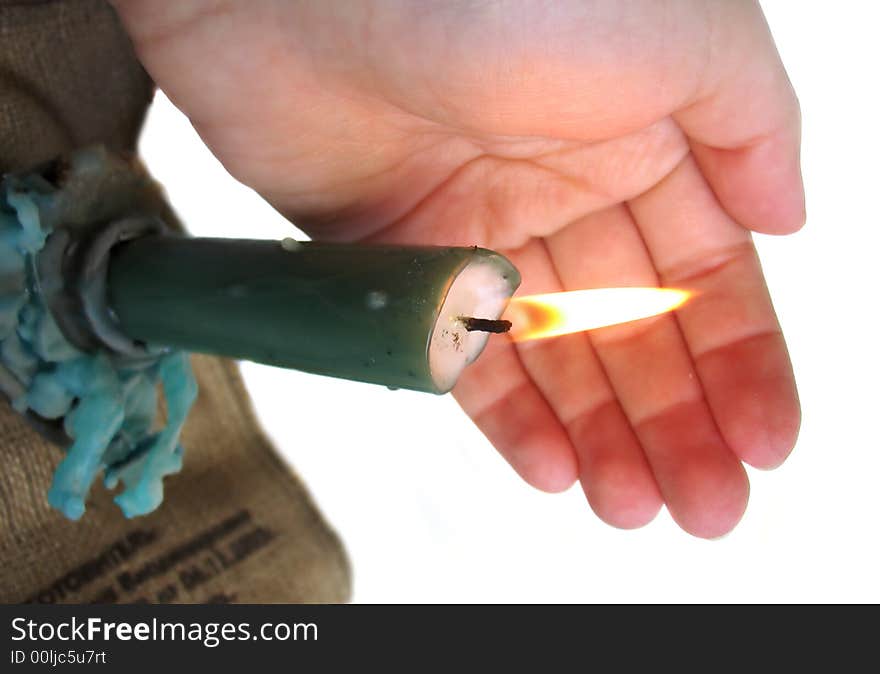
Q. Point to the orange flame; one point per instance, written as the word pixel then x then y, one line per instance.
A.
pixel 553 314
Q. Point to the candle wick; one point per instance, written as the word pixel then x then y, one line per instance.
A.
pixel 472 324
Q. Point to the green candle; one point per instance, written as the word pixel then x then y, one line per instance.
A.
pixel 395 316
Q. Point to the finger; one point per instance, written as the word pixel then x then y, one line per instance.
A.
pixel 648 365
pixel 730 326
pixel 614 472
pixel 499 396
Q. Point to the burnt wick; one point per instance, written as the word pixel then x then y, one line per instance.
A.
pixel 497 326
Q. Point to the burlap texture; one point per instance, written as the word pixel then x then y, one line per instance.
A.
pixel 236 524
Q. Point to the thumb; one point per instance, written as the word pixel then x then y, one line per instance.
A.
pixel 744 127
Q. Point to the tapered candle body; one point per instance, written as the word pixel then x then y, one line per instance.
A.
pixel 379 314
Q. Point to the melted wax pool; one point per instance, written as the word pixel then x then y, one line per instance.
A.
pixel 108 410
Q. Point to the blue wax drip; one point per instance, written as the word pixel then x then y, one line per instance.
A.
pixel 108 410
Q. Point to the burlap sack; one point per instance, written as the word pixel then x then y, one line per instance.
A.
pixel 236 524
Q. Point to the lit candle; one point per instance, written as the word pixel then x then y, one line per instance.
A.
pixel 403 317
pixel 100 305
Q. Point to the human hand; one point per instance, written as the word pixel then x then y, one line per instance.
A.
pixel 595 144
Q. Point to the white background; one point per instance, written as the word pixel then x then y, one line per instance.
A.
pixel 429 512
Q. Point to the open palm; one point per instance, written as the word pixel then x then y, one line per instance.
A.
pixel 594 143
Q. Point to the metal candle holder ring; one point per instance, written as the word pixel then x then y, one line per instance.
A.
pixel 73 265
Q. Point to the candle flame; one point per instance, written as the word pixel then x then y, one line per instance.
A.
pixel 553 314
